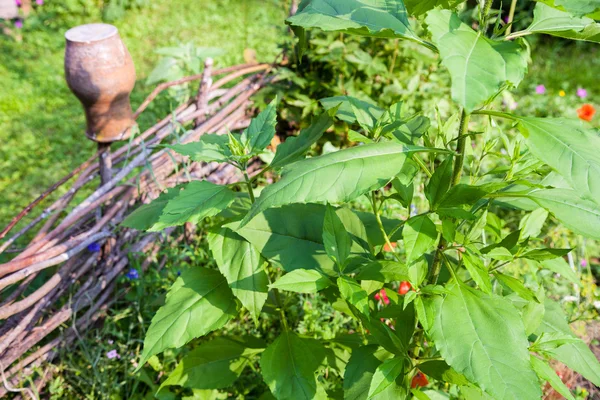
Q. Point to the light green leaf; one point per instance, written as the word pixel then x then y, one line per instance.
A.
pixel 243 267
pixel 385 375
pixel 210 147
pixel 575 7
pixel 194 201
pixel 531 225
pixel 545 372
pixel 379 18
pixel 554 22
pixel 420 235
pixel 354 294
pixel 580 215
pixel 483 337
pixel 294 148
pixel 576 356
pixel 384 271
pixel 335 177
pixel 516 286
pixel 545 254
pixel 302 281
pixel 568 147
pixel 479 66
pixel 288 366
pixel 560 266
pixel 336 240
pixel 478 272
pixel 212 365
pixel 198 303
pixel 262 128
pixel 147 215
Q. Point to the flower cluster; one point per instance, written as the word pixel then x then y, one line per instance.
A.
pixel 586 112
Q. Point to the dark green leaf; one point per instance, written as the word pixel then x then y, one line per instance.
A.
pixel 336 240
pixel 243 267
pixel 420 236
pixel 483 337
pixel 439 370
pixel 439 183
pixel 147 215
pixel 288 366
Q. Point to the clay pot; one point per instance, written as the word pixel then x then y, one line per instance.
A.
pixel 100 72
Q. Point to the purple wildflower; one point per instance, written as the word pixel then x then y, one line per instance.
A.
pixel 18 3
pixel 112 354
pixel 540 89
pixel 18 24
pixel 583 263
pixel 132 274
pixel 39 2
pixel 94 247
pixel 582 93
pixel 178 273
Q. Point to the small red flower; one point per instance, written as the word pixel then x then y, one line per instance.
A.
pixel 419 380
pixel 387 248
pixel 586 112
pixel 382 295
pixel 404 288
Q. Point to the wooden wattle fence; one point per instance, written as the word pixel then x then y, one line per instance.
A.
pixel 33 327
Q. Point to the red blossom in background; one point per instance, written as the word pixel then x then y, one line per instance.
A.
pixel 586 112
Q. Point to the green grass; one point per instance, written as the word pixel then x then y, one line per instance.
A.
pixel 41 122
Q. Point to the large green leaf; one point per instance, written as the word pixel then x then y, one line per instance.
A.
pixel 420 236
pixel 569 147
pixel 483 337
pixel 575 355
pixel 262 128
pixel 479 67
pixel 243 267
pixel 348 106
pixel 288 366
pixel 545 372
pixel 295 147
pixel 580 215
pixel 336 240
pixel 298 243
pixel 439 183
pixel 192 203
pixel 379 18
pixel 559 23
pixel 198 303
pixel 575 7
pixel 212 365
pixel 335 177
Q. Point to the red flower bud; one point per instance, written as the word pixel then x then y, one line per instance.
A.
pixel 404 288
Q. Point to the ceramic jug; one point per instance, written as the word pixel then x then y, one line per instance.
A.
pixel 100 72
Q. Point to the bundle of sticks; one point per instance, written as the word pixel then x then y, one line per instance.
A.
pixel 67 240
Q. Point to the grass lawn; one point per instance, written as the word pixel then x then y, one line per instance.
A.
pixel 42 123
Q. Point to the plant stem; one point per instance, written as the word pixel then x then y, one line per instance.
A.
pixel 460 148
pixel 511 16
pixel 376 211
pixel 485 11
pixel 436 267
pixel 495 114
pixel 249 185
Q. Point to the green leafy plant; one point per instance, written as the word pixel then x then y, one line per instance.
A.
pixel 430 293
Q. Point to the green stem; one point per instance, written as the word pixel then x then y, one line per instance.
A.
pixel 485 11
pixel 436 267
pixel 376 211
pixel 460 148
pixel 249 185
pixel 281 311
pixel 511 16
pixel 496 114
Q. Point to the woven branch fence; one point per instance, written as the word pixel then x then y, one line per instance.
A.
pixel 29 340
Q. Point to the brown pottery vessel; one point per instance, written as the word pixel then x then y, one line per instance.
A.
pixel 100 72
